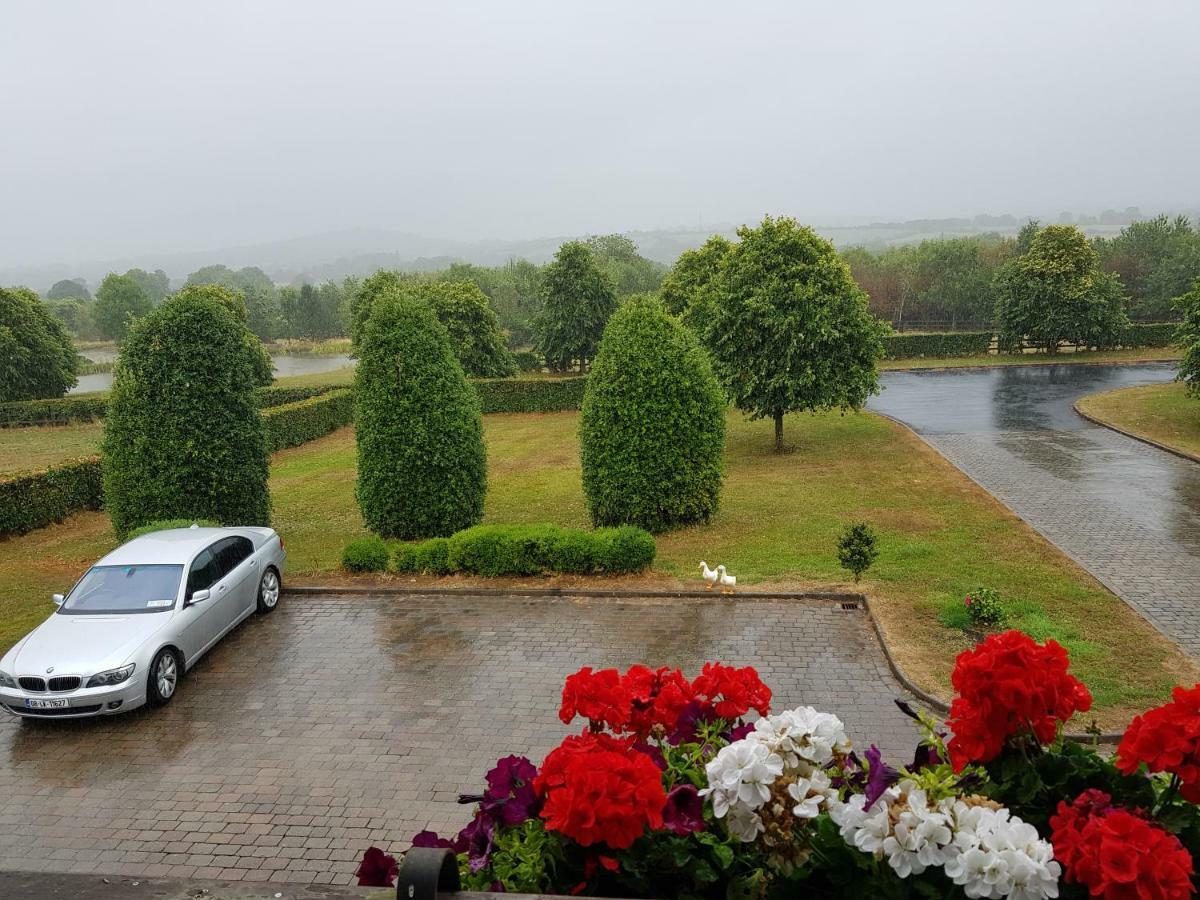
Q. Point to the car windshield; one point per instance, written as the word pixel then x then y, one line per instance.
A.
pixel 124 589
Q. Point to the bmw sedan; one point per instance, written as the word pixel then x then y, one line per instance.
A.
pixel 140 618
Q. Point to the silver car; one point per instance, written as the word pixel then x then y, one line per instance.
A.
pixel 140 618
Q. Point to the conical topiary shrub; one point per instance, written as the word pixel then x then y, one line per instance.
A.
pixel 183 437
pixel 422 468
pixel 652 427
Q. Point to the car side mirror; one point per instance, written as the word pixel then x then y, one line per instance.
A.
pixel 57 598
pixel 199 596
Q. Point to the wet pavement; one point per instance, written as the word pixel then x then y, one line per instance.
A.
pixel 1127 512
pixel 341 722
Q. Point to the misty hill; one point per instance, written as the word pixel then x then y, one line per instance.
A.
pixel 361 251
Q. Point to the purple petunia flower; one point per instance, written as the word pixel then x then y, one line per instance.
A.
pixel 880 776
pixel 656 755
pixel 684 812
pixel 431 840
pixel 476 840
pixel 510 798
pixel 736 734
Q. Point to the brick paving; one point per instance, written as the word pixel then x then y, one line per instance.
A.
pixel 339 722
pixel 1127 512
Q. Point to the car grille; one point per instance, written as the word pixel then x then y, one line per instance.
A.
pixel 64 683
pixel 32 684
pixel 49 713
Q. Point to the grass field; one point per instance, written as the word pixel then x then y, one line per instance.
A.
pixel 22 449
pixel 1143 354
pixel 1164 413
pixel 941 536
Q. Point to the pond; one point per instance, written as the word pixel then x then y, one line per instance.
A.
pixel 284 366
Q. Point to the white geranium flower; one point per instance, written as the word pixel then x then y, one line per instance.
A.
pixel 919 839
pixel 803 735
pixel 744 824
pixel 809 793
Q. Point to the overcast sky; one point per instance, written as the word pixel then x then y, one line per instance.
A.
pixel 151 126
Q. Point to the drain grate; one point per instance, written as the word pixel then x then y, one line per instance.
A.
pixel 849 606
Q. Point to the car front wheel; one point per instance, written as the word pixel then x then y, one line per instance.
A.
pixel 268 591
pixel 164 678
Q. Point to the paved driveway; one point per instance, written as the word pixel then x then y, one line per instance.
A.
pixel 1127 512
pixel 338 722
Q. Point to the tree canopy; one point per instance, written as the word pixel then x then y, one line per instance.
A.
pixel 1056 293
pixel 652 425
pixel 183 437
pixel 682 289
pixel 69 289
pixel 577 299
pixel 37 358
pixel 617 257
pixel 1188 338
pixel 422 466
pixel 1157 261
pixel 234 301
pixel 155 285
pixel 789 330
pixel 119 301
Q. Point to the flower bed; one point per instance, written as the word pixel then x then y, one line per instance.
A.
pixel 669 791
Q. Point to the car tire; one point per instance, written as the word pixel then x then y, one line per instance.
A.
pixel 163 680
pixel 269 588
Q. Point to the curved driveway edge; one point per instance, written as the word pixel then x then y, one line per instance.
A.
pixel 1129 434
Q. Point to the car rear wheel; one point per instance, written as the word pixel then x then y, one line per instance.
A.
pixel 164 678
pixel 268 591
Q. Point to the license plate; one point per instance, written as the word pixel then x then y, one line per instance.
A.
pixel 46 704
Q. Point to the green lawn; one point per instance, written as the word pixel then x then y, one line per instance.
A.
pixel 941 537
pixel 1161 412
pixel 1142 354
pixel 22 449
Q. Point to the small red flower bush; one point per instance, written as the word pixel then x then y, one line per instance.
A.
pixel 1117 854
pixel 1167 739
pixel 598 789
pixel 1010 685
pixel 733 692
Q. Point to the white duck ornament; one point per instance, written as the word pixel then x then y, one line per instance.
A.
pixel 709 575
pixel 727 581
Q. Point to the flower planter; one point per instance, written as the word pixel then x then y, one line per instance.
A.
pixel 428 874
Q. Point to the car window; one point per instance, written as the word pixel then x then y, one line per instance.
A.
pixel 204 572
pixel 124 589
pixel 234 551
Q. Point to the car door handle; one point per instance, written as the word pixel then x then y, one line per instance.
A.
pixel 220 588
pixel 253 562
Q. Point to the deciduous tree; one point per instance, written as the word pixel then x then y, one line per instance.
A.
pixel 37 358
pixel 119 301
pixel 577 299
pixel 789 329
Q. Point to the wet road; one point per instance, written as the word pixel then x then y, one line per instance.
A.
pixel 338 723
pixel 1127 512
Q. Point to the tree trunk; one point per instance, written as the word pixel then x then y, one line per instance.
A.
pixel 779 432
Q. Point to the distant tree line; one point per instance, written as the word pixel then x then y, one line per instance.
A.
pixel 951 283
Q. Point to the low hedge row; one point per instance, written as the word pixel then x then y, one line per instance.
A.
pixel 297 423
pixel 92 407
pixel 949 343
pixel 531 395
pixel 30 500
pixel 1149 334
pixel 496 550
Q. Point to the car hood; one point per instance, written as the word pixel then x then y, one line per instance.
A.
pixel 84 645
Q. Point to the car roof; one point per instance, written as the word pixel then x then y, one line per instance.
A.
pixel 175 546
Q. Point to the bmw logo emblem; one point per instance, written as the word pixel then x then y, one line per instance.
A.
pixel 49 670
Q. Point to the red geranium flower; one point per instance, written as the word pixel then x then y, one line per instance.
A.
pixel 1010 685
pixel 658 697
pixel 597 789
pixel 601 697
pixel 1167 739
pixel 1116 854
pixel 733 692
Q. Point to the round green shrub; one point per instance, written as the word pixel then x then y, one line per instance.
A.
pixel 166 524
pixel 432 556
pixel 235 302
pixel 37 358
pixel 652 427
pixel 574 552
pixel 404 558
pixel 368 554
pixel 422 467
pixel 626 549
pixel 183 437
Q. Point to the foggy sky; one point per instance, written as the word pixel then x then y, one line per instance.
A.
pixel 128 127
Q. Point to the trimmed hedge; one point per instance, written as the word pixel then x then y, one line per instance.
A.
pixel 943 344
pixel 1153 334
pixel 369 554
pixel 496 550
pixel 530 395
pixel 30 500
pixel 298 423
pixel 93 407
pixel 652 427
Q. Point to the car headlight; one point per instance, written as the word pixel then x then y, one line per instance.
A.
pixel 7 680
pixel 113 676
